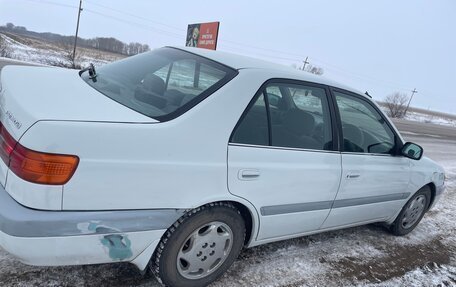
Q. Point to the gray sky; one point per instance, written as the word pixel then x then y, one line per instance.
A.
pixel 379 46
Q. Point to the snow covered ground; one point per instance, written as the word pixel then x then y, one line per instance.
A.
pixel 37 51
pixel 429 118
pixel 424 116
pixel 361 256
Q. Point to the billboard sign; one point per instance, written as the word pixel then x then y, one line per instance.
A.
pixel 203 35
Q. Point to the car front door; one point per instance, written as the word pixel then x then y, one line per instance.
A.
pixel 374 177
pixel 281 158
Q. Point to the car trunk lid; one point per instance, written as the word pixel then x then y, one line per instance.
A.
pixel 31 94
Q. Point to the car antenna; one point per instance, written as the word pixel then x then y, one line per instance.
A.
pixel 367 94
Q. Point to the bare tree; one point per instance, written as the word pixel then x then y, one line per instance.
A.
pixel 5 50
pixel 315 70
pixel 310 68
pixel 396 104
pixel 68 60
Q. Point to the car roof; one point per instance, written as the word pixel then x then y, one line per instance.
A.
pixel 239 62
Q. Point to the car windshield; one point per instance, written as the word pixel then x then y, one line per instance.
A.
pixel 161 84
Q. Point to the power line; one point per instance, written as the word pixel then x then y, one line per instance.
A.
pixel 326 65
pixel 134 15
pixel 243 46
pixel 52 3
pixel 146 27
pixel 149 28
pixel 183 30
pixel 346 74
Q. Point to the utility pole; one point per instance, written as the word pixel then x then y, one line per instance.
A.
pixel 406 109
pixel 305 63
pixel 77 30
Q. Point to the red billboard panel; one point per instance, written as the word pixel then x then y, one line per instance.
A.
pixel 203 35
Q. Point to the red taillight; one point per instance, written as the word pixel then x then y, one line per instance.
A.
pixel 33 166
pixel 7 144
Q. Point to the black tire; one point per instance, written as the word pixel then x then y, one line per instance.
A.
pixel 165 259
pixel 398 227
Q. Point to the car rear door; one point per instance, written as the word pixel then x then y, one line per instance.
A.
pixel 374 178
pixel 281 157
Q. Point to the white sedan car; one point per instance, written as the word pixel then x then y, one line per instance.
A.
pixel 178 158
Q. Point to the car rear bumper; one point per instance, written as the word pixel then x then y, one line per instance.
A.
pixel 52 238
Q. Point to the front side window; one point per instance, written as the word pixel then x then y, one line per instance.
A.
pixel 292 115
pixel 363 127
pixel 160 84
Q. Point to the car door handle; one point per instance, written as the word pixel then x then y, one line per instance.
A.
pixel 248 174
pixel 353 175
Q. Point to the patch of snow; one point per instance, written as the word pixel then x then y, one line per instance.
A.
pixel 20 62
pixel 428 275
pixel 420 134
pixel 51 55
pixel 428 118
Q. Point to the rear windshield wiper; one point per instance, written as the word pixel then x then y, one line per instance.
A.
pixel 92 72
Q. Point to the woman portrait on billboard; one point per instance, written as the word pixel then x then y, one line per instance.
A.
pixel 193 32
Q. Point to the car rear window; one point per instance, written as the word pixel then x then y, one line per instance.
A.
pixel 161 84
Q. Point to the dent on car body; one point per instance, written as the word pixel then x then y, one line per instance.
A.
pixel 117 245
pixel 20 221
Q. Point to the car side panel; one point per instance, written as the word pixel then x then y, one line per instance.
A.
pixel 175 164
pixel 294 189
pixel 372 188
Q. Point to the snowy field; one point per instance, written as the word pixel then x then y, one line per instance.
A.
pixel 40 52
pixel 429 118
pixel 424 116
pixel 361 256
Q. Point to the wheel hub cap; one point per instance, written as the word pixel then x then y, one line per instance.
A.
pixel 205 250
pixel 414 211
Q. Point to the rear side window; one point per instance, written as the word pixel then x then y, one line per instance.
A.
pixel 161 84
pixel 287 115
pixel 253 129
pixel 302 118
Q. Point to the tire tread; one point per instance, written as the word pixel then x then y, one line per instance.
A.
pixel 188 215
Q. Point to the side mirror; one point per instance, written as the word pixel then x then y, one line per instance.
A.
pixel 412 150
